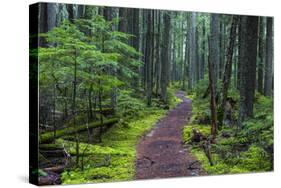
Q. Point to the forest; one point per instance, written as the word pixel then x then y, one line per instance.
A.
pixel 127 93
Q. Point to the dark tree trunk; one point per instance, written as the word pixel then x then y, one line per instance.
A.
pixel 43 27
pixel 213 107
pixel 222 47
pixel 261 56
pixel 165 56
pixel 197 62
pixel 158 54
pixel 54 112
pixel 174 67
pixel 192 53
pixel 70 12
pixel 239 62
pixel 203 51
pixel 186 61
pixel 148 57
pixel 269 57
pixel 123 20
pixel 228 65
pixel 214 46
pixel 51 15
pixel 249 36
pixel 74 106
pixel 107 13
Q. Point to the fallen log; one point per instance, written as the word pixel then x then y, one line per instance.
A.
pixel 56 169
pixel 49 136
pixel 50 146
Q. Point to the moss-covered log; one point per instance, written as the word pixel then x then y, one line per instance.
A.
pixel 49 136
pixel 50 146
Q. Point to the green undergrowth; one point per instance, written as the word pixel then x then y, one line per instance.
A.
pixel 173 101
pixel 237 149
pixel 114 158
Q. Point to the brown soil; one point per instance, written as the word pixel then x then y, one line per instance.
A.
pixel 161 154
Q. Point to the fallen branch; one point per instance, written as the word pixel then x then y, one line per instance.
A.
pixel 49 136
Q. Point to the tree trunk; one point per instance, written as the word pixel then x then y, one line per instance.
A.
pixel 123 20
pixel 70 12
pixel 54 111
pixel 158 54
pixel 268 57
pixel 249 36
pixel 148 58
pixel 214 46
pixel 107 13
pixel 203 51
pixel 186 61
pixel 197 62
pixel 165 56
pixel 211 66
pixel 228 64
pixel 261 55
pixel 74 105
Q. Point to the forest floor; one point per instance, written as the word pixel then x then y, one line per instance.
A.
pixel 161 153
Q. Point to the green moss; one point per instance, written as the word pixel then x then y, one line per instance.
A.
pixel 173 101
pixel 255 159
pixel 113 159
pixel 48 136
pixel 187 131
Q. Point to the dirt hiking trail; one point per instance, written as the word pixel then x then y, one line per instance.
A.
pixel 160 153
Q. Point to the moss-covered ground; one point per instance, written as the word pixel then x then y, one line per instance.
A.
pixel 114 158
pixel 237 149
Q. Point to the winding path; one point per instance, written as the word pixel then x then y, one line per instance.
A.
pixel 160 153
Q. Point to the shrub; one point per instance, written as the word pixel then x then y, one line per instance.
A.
pixel 129 107
pixel 255 159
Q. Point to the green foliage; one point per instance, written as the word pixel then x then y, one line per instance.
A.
pixel 96 50
pixel 173 100
pixel 128 106
pixel 255 159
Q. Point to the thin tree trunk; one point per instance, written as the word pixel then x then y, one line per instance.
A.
pixel 54 113
pixel 228 64
pixel 74 107
pixel 261 55
pixel 211 66
pixel 148 58
pixel 269 57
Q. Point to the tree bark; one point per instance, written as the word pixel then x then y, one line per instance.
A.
pixel 123 20
pixel 228 65
pixel 269 57
pixel 165 56
pixel 261 54
pixel 148 58
pixel 211 66
pixel 249 36
pixel 214 46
